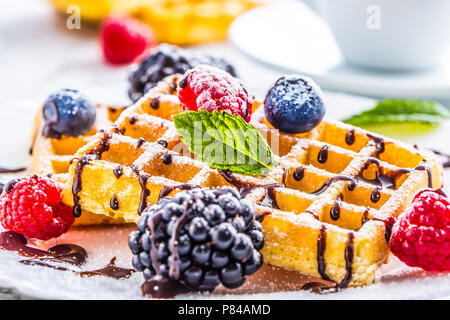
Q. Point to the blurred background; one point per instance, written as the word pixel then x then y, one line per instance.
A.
pixel 358 51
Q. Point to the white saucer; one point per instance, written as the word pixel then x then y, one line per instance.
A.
pixel 288 35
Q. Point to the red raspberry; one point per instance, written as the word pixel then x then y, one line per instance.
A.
pixel 124 39
pixel 421 236
pixel 209 88
pixel 32 207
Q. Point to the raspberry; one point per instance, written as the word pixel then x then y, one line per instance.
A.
pixel 209 88
pixel 421 235
pixel 124 39
pixel 165 60
pixel 32 207
pixel 209 236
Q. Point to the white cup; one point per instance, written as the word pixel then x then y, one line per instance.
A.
pixel 389 34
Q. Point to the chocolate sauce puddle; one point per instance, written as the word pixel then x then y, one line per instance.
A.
pixel 57 255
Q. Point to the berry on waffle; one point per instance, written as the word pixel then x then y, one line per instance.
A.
pixel 326 207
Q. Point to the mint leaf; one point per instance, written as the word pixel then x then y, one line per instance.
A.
pixel 225 141
pixel 401 111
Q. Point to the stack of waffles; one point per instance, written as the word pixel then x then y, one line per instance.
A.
pixel 326 207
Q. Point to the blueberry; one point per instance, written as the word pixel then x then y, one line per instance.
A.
pixel 198 229
pixel 148 273
pixel 238 224
pixel 160 232
pixel 222 236
pixel 253 264
pixel 193 276
pixel 183 245
pixel 232 275
pixel 246 212
pixel 170 210
pixel 133 242
pixel 256 225
pixel 257 239
pixel 214 214
pixel 164 270
pixel 163 251
pixel 242 247
pixel 195 208
pixel 145 259
pixel 181 197
pixel 146 241
pixel 67 112
pixel 210 280
pixel 294 104
pixel 229 203
pixel 201 253
pixel 219 259
pixel 142 223
pixel 137 265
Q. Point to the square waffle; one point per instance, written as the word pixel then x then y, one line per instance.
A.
pixel 52 157
pixel 325 207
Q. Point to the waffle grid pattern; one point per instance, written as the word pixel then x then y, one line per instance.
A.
pixel 325 208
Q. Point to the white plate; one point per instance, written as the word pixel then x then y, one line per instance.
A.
pixel 288 35
pixel 396 282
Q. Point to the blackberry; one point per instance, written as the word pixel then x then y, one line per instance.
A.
pixel 213 240
pixel 164 61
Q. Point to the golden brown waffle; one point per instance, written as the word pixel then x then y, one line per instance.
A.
pixel 193 21
pixel 326 205
pixel 51 157
pixel 173 21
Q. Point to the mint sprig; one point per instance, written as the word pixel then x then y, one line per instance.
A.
pixel 225 141
pixel 401 111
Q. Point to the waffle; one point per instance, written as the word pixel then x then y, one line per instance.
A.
pixel 194 21
pixel 325 207
pixel 173 21
pixel 51 157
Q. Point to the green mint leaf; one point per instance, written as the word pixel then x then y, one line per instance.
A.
pixel 401 111
pixel 225 141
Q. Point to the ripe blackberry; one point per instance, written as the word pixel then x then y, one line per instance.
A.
pixel 214 239
pixel 164 61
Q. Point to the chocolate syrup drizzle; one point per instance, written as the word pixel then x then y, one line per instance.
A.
pixel 429 172
pixel 446 162
pixel 118 172
pixel 321 244
pixel 57 255
pixel 335 210
pixel 322 156
pixel 328 182
pixel 379 142
pixel 350 137
pixel 165 190
pixel 349 251
pixel 95 154
pixel 299 173
pixel 114 203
